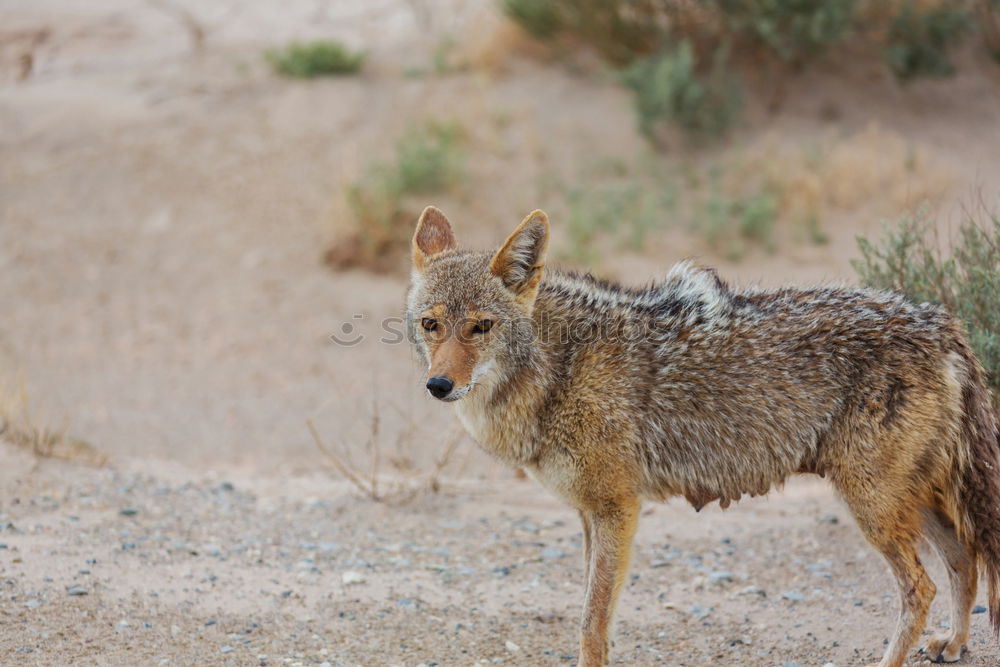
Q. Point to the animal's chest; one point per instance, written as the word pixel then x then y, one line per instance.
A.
pixel 503 436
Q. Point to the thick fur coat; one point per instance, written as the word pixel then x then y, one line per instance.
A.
pixel 609 395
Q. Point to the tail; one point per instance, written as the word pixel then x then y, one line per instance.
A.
pixel 981 478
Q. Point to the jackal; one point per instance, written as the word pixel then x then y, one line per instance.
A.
pixel 610 395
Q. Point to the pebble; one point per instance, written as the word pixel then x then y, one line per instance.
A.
pixel 793 596
pixel 76 590
pixel 979 609
pixel 511 646
pixel 552 553
pixel 351 577
pixel 700 612
pixel 226 649
pixel 32 603
pixel 720 576
pixel 829 664
pixel 753 590
pixel 128 511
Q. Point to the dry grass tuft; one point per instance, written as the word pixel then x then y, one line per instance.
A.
pixel 20 427
pixel 372 483
pixel 872 168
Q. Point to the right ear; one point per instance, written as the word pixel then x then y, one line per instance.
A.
pixel 432 237
pixel 521 259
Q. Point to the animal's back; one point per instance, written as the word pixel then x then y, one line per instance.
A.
pixel 733 390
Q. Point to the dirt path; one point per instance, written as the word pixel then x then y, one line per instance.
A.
pixel 174 566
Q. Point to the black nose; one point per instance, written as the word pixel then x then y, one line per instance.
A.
pixel 440 386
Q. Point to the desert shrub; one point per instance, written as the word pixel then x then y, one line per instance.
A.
pixel 322 58
pixel 539 18
pixel 731 223
pixel 619 30
pixel 920 39
pixel 794 30
pixel 428 159
pixel 665 45
pixel 967 282
pixel 669 87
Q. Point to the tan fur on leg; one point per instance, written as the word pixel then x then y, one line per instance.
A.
pixel 960 561
pixel 612 531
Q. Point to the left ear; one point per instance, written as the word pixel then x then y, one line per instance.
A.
pixel 521 259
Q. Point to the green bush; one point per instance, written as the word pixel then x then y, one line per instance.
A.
pixel 323 58
pixel 967 282
pixel 794 30
pixel 668 87
pixel 919 40
pixel 539 18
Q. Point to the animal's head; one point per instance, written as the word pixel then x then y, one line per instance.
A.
pixel 468 312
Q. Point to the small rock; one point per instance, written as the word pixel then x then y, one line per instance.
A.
pixel 700 612
pixel 829 518
pixel 791 663
pixel 720 577
pixel 128 511
pixel 32 603
pixel 753 590
pixel 793 596
pixel 226 649
pixel 979 609
pixel 76 590
pixel 552 553
pixel 351 577
pixel 829 664
pixel 511 646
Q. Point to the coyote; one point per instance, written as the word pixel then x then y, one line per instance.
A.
pixel 609 395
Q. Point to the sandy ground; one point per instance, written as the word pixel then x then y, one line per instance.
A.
pixel 163 209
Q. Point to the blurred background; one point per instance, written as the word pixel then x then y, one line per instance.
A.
pixel 196 196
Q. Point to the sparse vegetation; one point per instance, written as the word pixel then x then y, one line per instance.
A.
pixel 624 211
pixel 314 59
pixel 374 484
pixel 20 427
pixel 674 54
pixel 920 39
pixel 669 87
pixel 729 223
pixel 540 18
pixel 795 31
pixel 428 160
pixel 910 258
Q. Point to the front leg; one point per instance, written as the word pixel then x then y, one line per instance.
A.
pixel 611 529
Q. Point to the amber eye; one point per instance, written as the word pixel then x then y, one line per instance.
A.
pixel 429 323
pixel 482 326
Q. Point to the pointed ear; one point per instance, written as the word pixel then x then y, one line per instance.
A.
pixel 433 236
pixel 521 259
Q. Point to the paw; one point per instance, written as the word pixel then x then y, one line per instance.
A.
pixel 943 648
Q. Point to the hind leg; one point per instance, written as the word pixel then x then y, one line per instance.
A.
pixel 962 575
pixel 894 531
